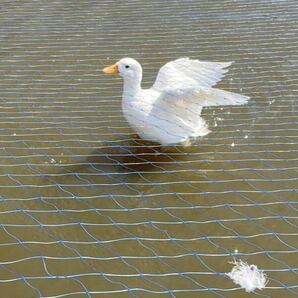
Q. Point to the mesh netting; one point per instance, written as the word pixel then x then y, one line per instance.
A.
pixel 87 209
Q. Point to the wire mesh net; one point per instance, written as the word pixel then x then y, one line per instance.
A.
pixel 87 209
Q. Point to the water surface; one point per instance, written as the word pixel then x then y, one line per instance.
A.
pixel 87 210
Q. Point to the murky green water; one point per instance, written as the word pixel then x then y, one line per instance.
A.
pixel 110 215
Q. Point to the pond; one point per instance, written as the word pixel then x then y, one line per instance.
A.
pixel 88 210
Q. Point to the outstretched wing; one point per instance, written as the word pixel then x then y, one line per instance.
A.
pixel 177 112
pixel 185 73
pixel 193 99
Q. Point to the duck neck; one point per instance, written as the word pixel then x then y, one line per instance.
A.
pixel 132 85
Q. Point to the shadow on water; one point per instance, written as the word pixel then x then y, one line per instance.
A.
pixel 134 155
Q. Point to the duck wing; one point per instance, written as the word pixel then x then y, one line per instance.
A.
pixel 185 72
pixel 177 112
pixel 194 98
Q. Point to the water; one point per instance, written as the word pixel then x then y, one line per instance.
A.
pixel 83 200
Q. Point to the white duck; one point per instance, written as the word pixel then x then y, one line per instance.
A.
pixel 170 111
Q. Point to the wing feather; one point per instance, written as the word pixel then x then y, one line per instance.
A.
pixel 185 73
pixel 178 111
pixel 194 98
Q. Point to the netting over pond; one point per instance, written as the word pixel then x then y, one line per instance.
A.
pixel 87 210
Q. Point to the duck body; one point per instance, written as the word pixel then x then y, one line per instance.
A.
pixel 152 121
pixel 137 109
pixel 170 111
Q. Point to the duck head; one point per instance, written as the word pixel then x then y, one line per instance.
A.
pixel 127 68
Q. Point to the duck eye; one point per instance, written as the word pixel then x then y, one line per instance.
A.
pixel 126 66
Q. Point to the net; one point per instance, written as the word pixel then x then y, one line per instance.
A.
pixel 87 209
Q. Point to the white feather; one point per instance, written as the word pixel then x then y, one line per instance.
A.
pixel 248 277
pixel 184 73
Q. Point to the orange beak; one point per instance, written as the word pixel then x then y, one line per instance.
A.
pixel 113 69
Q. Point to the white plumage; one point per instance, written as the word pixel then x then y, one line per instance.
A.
pixel 249 277
pixel 170 111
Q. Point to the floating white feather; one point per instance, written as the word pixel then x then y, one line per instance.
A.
pixel 249 277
